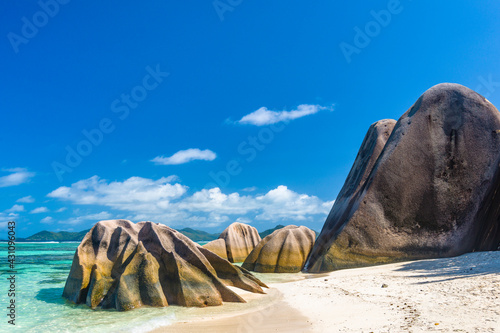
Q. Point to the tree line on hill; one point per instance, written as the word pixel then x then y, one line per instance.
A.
pixel 68 236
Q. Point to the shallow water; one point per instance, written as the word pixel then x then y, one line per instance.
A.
pixel 42 269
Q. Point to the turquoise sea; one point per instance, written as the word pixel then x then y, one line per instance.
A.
pixel 42 269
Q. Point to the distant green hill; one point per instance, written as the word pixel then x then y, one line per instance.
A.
pixel 62 236
pixel 198 235
pixel 67 236
pixel 270 231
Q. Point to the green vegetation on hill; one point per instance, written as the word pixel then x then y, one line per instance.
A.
pixel 198 235
pixel 270 231
pixel 66 236
pixel 62 236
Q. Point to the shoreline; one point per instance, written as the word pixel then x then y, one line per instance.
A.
pixel 277 317
pixel 263 312
pixel 434 295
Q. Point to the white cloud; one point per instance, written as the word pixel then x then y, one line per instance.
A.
pixel 39 210
pixel 157 200
pixel 213 200
pixel 10 214
pixel 8 217
pixel 264 116
pixel 243 220
pixel 15 208
pixel 90 217
pixel 27 199
pixel 185 156
pixel 60 210
pixel 47 220
pixel 133 194
pixel 98 216
pixel 17 176
pixel 282 203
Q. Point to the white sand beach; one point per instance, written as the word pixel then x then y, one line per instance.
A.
pixel 460 294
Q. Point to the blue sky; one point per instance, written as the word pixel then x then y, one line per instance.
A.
pixel 199 114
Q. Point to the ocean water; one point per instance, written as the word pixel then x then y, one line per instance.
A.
pixel 42 269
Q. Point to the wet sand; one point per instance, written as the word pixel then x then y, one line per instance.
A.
pixel 279 317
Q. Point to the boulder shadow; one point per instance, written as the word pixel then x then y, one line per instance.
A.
pixel 464 266
pixel 51 295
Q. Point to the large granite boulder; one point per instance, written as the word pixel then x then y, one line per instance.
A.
pixel 431 191
pixel 240 240
pixel 217 246
pixel 283 251
pixel 122 265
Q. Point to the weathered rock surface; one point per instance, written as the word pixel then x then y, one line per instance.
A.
pixel 218 247
pixel 240 240
pixel 432 191
pixel 123 265
pixel 283 251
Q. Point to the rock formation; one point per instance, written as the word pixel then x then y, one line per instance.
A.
pixel 122 265
pixel 431 191
pixel 283 251
pixel 218 247
pixel 240 240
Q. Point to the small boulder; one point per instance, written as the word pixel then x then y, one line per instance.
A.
pixel 240 240
pixel 284 251
pixel 218 247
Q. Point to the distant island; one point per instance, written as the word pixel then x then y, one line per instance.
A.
pixel 68 236
pixel 61 236
pixel 198 235
pixel 270 231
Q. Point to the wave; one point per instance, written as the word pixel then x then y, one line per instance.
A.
pixel 153 324
pixel 50 242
